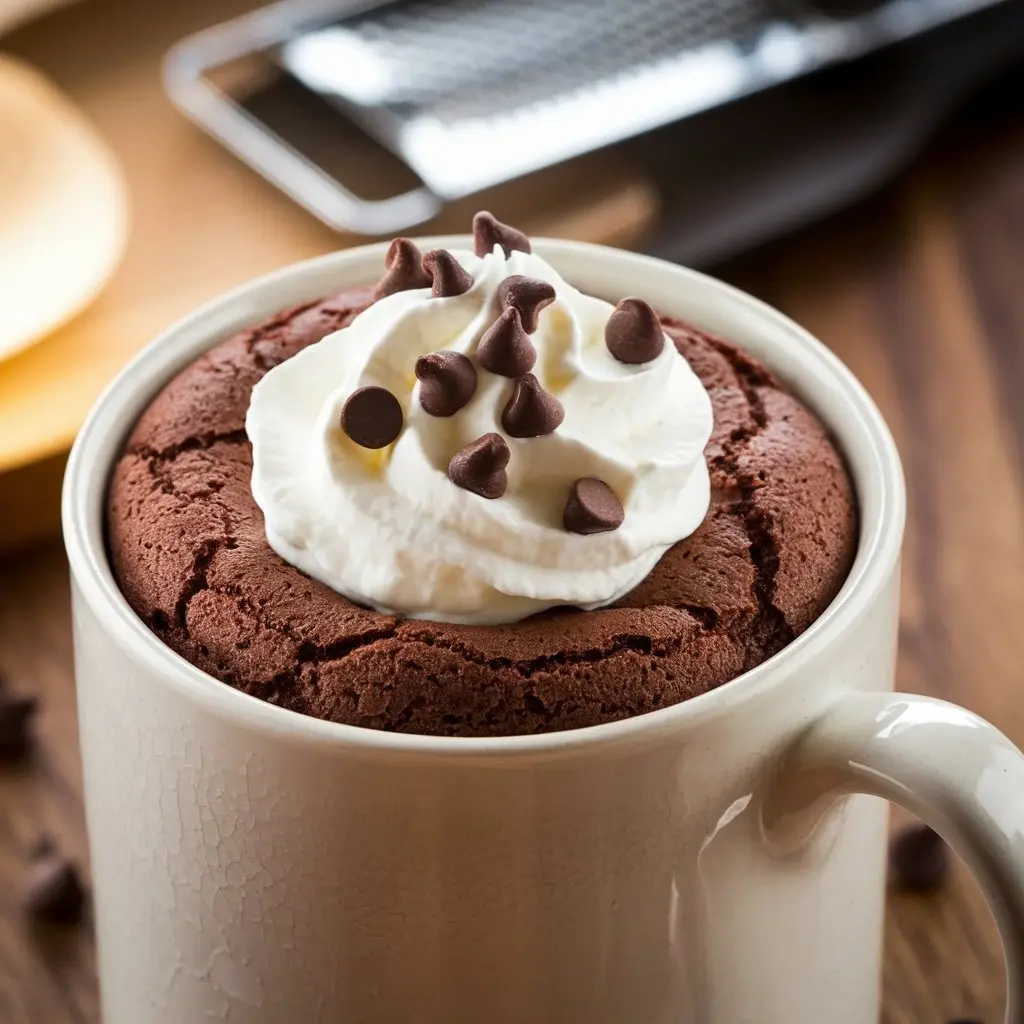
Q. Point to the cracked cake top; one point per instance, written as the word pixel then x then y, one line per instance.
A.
pixel 189 547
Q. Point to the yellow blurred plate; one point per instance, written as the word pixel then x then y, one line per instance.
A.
pixel 62 209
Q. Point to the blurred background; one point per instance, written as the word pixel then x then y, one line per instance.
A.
pixel 857 163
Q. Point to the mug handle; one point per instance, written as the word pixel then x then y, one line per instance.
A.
pixel 943 763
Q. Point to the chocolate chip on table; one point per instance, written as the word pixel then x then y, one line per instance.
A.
pixel 405 270
pixel 531 411
pixel 480 466
pixel 16 714
pixel 633 333
pixel 372 417
pixel 488 232
pixel 527 294
pixel 447 274
pixel 447 382
pixel 918 859
pixel 593 507
pixel 505 347
pixel 53 887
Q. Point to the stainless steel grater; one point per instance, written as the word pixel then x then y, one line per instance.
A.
pixel 471 93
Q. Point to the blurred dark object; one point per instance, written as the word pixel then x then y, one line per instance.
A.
pixel 53 887
pixel 918 859
pixel 16 714
pixel 436 101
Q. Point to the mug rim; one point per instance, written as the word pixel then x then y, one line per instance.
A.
pixel 98 444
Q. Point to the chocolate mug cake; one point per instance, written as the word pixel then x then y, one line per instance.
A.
pixel 474 501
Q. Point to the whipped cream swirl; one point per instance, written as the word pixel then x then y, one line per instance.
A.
pixel 389 529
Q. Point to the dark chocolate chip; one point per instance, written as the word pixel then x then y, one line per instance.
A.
pixel 505 347
pixel 918 859
pixel 404 269
pixel 480 466
pixel 447 382
pixel 527 294
pixel 593 507
pixel 531 411
pixel 372 417
pixel 53 887
pixel 488 232
pixel 16 714
pixel 633 333
pixel 447 273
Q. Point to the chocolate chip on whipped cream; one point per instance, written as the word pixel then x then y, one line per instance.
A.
pixel 505 348
pixel 488 232
pixel 633 333
pixel 527 295
pixel 404 264
pixel 448 275
pixel 480 466
pixel 447 382
pixel 531 411
pixel 372 417
pixel 561 478
pixel 592 507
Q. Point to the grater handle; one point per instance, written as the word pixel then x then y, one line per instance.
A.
pixel 198 98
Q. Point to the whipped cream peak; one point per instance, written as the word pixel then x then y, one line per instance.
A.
pixel 482 448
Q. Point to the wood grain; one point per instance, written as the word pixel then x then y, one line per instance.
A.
pixel 919 291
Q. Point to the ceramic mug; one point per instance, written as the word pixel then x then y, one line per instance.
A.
pixel 713 862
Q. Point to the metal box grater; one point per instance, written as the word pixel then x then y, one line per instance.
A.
pixel 471 93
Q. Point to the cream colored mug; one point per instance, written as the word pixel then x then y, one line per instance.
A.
pixel 714 862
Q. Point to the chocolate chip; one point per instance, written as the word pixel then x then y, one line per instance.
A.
pixel 447 273
pixel 918 859
pixel 633 333
pixel 447 382
pixel 372 417
pixel 16 714
pixel 488 232
pixel 480 466
pixel 527 294
pixel 531 411
pixel 53 887
pixel 592 507
pixel 404 269
pixel 505 347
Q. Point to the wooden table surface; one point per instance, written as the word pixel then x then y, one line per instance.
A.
pixel 920 291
